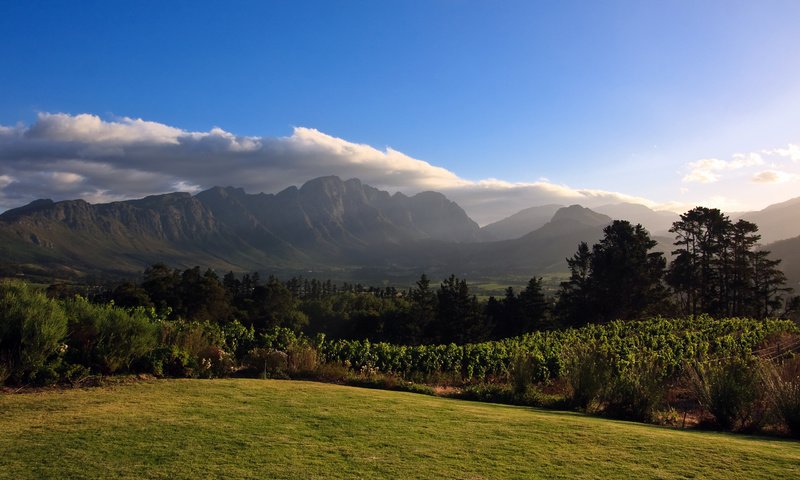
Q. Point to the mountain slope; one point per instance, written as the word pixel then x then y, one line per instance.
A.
pixel 520 223
pixel 544 249
pixel 789 252
pixel 776 222
pixel 656 222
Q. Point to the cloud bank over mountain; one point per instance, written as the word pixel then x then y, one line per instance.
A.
pixel 62 156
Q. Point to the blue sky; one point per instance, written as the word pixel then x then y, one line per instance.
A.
pixel 653 100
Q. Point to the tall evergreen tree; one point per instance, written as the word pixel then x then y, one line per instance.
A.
pixel 718 270
pixel 619 279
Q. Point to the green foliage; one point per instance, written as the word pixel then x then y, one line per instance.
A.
pixel 620 278
pixel 674 341
pixel 238 338
pixel 190 349
pixel 32 329
pixel 731 391
pixel 588 372
pixel 637 391
pixel 782 382
pixel 717 268
pixel 107 337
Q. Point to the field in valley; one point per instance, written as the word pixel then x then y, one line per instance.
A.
pixel 241 428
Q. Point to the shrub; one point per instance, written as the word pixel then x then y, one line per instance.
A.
pixel 301 358
pixel 488 392
pixel 588 371
pixel 637 391
pixel 730 391
pixel 238 338
pixel 185 350
pixel 106 337
pixel 782 382
pixel 74 374
pixel 332 372
pixel 123 337
pixel 267 362
pixel 170 360
pixel 32 328
pixel 525 371
pixel 216 362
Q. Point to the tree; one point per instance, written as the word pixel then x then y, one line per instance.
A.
pixel 575 295
pixel 161 284
pixel 626 275
pixel 619 279
pixel 700 235
pixel 422 313
pixel 533 306
pixel 275 306
pixel 516 314
pixel 459 316
pixel 718 270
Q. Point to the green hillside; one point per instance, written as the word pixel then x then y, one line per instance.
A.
pixel 283 429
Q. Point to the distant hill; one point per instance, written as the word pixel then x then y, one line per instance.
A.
pixel 520 223
pixel 656 222
pixel 776 222
pixel 544 249
pixel 789 253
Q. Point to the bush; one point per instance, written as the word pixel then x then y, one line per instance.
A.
pixel 170 360
pixel 525 370
pixel 638 390
pixel 123 337
pixel 488 392
pixel 332 372
pixel 267 362
pixel 108 338
pixel 588 372
pixel 75 375
pixel 730 391
pixel 216 362
pixel 32 329
pixel 782 382
pixel 301 358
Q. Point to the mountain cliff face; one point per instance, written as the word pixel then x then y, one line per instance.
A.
pixel 327 221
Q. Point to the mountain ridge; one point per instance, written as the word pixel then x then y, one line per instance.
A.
pixel 325 224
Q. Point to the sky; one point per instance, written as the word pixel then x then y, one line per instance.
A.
pixel 499 105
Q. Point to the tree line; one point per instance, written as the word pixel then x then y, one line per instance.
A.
pixel 716 269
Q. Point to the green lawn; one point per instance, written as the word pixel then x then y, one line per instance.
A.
pixel 284 429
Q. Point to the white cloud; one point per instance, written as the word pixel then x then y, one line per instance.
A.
pixel 63 156
pixel 708 170
pixel 5 180
pixel 792 151
pixel 773 176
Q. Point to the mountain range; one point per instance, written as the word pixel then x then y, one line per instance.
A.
pixel 326 225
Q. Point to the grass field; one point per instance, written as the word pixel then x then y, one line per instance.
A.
pixel 284 429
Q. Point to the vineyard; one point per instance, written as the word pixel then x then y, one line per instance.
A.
pixel 673 341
